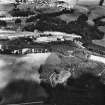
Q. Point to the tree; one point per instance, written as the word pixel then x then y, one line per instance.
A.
pixel 18 21
pixel 3 23
pixel 101 2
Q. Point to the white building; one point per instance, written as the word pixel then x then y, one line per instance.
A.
pixel 45 39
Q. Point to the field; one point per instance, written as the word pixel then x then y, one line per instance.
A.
pixel 36 76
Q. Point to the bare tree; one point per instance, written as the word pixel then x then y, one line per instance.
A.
pixel 101 2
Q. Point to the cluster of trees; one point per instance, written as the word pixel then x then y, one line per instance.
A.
pixel 16 12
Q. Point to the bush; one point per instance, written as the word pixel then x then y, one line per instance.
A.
pixel 3 23
pixel 18 21
pixel 17 12
pixel 30 28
